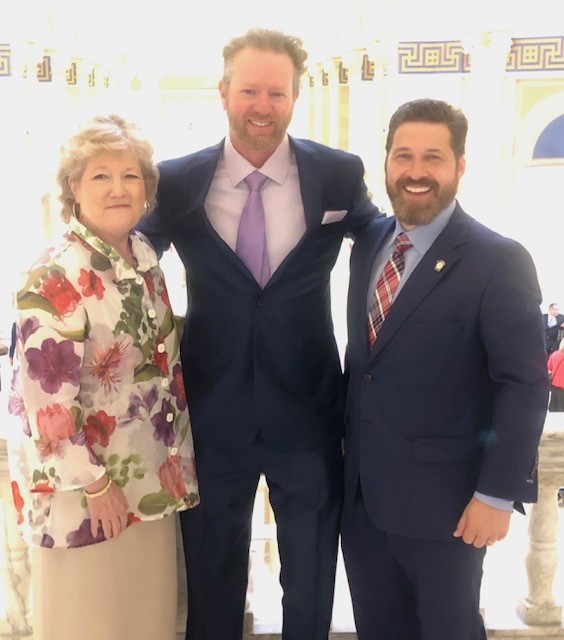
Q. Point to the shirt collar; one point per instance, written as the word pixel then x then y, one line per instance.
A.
pixel 276 167
pixel 423 236
pixel 142 251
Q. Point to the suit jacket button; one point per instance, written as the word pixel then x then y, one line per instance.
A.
pixel 367 377
pixel 261 302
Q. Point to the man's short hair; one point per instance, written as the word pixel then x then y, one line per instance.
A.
pixel 435 111
pixel 266 40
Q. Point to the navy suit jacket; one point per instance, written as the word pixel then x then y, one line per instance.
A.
pixel 452 397
pixel 261 360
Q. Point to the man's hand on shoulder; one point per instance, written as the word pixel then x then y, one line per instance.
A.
pixel 481 524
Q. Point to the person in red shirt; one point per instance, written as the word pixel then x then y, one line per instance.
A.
pixel 556 371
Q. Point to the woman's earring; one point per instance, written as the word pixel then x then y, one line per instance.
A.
pixel 75 209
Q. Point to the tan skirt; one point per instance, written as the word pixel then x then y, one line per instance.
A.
pixel 121 589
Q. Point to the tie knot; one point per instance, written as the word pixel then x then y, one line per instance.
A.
pixel 255 180
pixel 402 243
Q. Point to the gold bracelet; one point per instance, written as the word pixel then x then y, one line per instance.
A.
pixel 102 492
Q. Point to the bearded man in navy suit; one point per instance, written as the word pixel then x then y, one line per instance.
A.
pixel 263 377
pixel 445 409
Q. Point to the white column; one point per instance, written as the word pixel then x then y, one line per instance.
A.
pixel 485 98
pixel 369 113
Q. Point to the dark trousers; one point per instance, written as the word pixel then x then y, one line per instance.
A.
pixel 556 402
pixel 305 490
pixel 410 589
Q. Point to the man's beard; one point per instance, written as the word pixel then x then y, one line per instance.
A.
pixel 420 213
pixel 258 143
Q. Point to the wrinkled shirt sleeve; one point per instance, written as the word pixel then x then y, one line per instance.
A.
pixel 50 349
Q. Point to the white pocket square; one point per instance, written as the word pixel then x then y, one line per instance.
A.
pixel 333 216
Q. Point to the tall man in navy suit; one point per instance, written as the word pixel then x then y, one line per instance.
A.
pixel 263 378
pixel 445 410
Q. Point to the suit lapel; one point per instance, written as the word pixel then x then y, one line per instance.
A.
pixel 435 265
pixel 311 186
pixel 366 247
pixel 311 190
pixel 201 174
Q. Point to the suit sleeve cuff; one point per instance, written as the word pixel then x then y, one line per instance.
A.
pixel 496 503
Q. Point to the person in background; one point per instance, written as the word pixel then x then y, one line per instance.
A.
pixel 447 392
pixel 103 458
pixel 556 403
pixel 556 373
pixel 553 323
pixel 258 221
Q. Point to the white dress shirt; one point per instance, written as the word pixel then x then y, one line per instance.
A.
pixel 283 207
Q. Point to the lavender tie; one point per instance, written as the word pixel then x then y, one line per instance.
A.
pixel 251 237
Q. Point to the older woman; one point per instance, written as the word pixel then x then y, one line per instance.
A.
pixel 105 457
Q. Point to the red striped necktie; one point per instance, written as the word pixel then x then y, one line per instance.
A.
pixel 386 288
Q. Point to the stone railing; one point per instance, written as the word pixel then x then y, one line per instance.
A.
pixel 539 607
pixel 15 622
pixel 541 615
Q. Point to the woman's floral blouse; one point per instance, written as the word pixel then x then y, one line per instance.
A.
pixel 98 387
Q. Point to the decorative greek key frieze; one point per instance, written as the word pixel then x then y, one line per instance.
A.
pixel 70 74
pixel 527 54
pixel 5 60
pixel 432 57
pixel 343 74
pixel 43 68
pixel 536 54
pixel 367 70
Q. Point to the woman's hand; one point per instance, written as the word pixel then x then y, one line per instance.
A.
pixel 108 510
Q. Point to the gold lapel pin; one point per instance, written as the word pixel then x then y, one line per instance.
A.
pixel 439 265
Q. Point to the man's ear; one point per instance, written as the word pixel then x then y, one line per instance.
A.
pixel 223 87
pixel 461 166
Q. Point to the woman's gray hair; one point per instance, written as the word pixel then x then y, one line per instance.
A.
pixel 104 133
